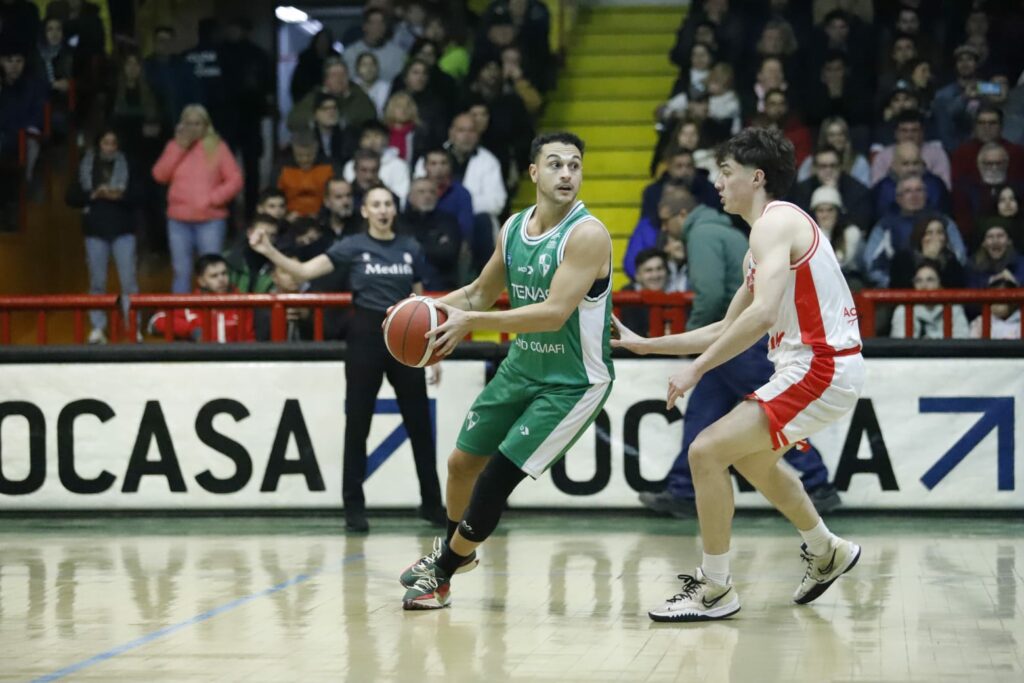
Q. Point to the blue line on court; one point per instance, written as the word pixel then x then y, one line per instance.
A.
pixel 174 628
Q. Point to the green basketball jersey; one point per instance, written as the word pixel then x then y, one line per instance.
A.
pixel 580 352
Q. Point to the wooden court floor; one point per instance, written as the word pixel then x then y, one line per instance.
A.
pixel 556 598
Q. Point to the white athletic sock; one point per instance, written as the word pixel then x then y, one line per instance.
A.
pixel 716 567
pixel 818 539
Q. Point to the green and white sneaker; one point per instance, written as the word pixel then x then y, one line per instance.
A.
pixel 432 590
pixel 823 570
pixel 414 570
pixel 700 599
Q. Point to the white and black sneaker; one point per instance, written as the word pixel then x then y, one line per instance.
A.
pixel 823 570
pixel 700 599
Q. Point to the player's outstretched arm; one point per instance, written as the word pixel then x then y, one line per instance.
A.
pixel 300 270
pixel 685 343
pixel 587 254
pixel 481 293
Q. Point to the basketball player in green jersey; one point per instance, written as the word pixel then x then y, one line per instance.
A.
pixel 554 259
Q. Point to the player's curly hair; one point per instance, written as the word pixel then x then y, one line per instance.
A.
pixel 766 149
pixel 564 137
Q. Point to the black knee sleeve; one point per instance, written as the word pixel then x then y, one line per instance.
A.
pixel 493 487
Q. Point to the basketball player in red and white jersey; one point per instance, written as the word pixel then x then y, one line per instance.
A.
pixel 795 293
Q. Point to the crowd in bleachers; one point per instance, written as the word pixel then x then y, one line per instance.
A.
pixel 437 104
pixel 907 120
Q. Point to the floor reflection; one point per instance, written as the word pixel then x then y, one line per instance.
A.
pixel 290 602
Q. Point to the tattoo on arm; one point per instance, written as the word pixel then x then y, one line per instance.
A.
pixel 468 300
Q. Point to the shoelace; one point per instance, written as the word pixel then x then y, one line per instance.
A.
pixel 691 584
pixel 426 562
pixel 426 583
pixel 808 558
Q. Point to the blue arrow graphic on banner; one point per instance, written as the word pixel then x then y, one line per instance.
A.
pixel 394 440
pixel 997 413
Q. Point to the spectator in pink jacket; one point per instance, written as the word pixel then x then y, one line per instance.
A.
pixel 203 178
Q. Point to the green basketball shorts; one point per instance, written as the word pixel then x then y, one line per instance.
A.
pixel 533 424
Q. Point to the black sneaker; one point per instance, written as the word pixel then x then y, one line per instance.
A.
pixel 665 503
pixel 825 498
pixel 355 521
pixel 435 514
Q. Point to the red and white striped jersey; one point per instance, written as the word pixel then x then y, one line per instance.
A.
pixel 817 316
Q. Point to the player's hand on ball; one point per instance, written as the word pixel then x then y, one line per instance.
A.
pixel 628 339
pixel 679 383
pixel 448 335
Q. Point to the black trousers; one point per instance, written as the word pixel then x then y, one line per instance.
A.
pixel 366 365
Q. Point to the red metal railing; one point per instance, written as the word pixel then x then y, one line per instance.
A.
pixel 667 311
pixel 78 304
pixel 868 300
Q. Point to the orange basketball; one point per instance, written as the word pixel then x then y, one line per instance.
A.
pixel 405 326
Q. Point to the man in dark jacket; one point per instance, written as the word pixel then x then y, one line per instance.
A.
pixel 437 232
pixel 828 170
pixel 714 253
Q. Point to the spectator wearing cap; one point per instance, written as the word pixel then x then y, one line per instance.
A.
pixel 910 128
pixel 390 57
pixel 336 144
pixel 902 52
pixel 902 98
pixel 846 238
pixel 980 197
pixel 907 161
pixel 988 127
pixel 891 234
pixel 354 106
pixel 1005 320
pixel 828 172
pixel 394 171
pixel 954 102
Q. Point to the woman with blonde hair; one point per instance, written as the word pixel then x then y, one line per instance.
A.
pixel 402 117
pixel 835 132
pixel 202 178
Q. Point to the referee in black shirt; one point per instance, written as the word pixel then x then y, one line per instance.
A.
pixel 382 268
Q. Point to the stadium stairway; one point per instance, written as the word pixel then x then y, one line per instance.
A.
pixel 617 71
